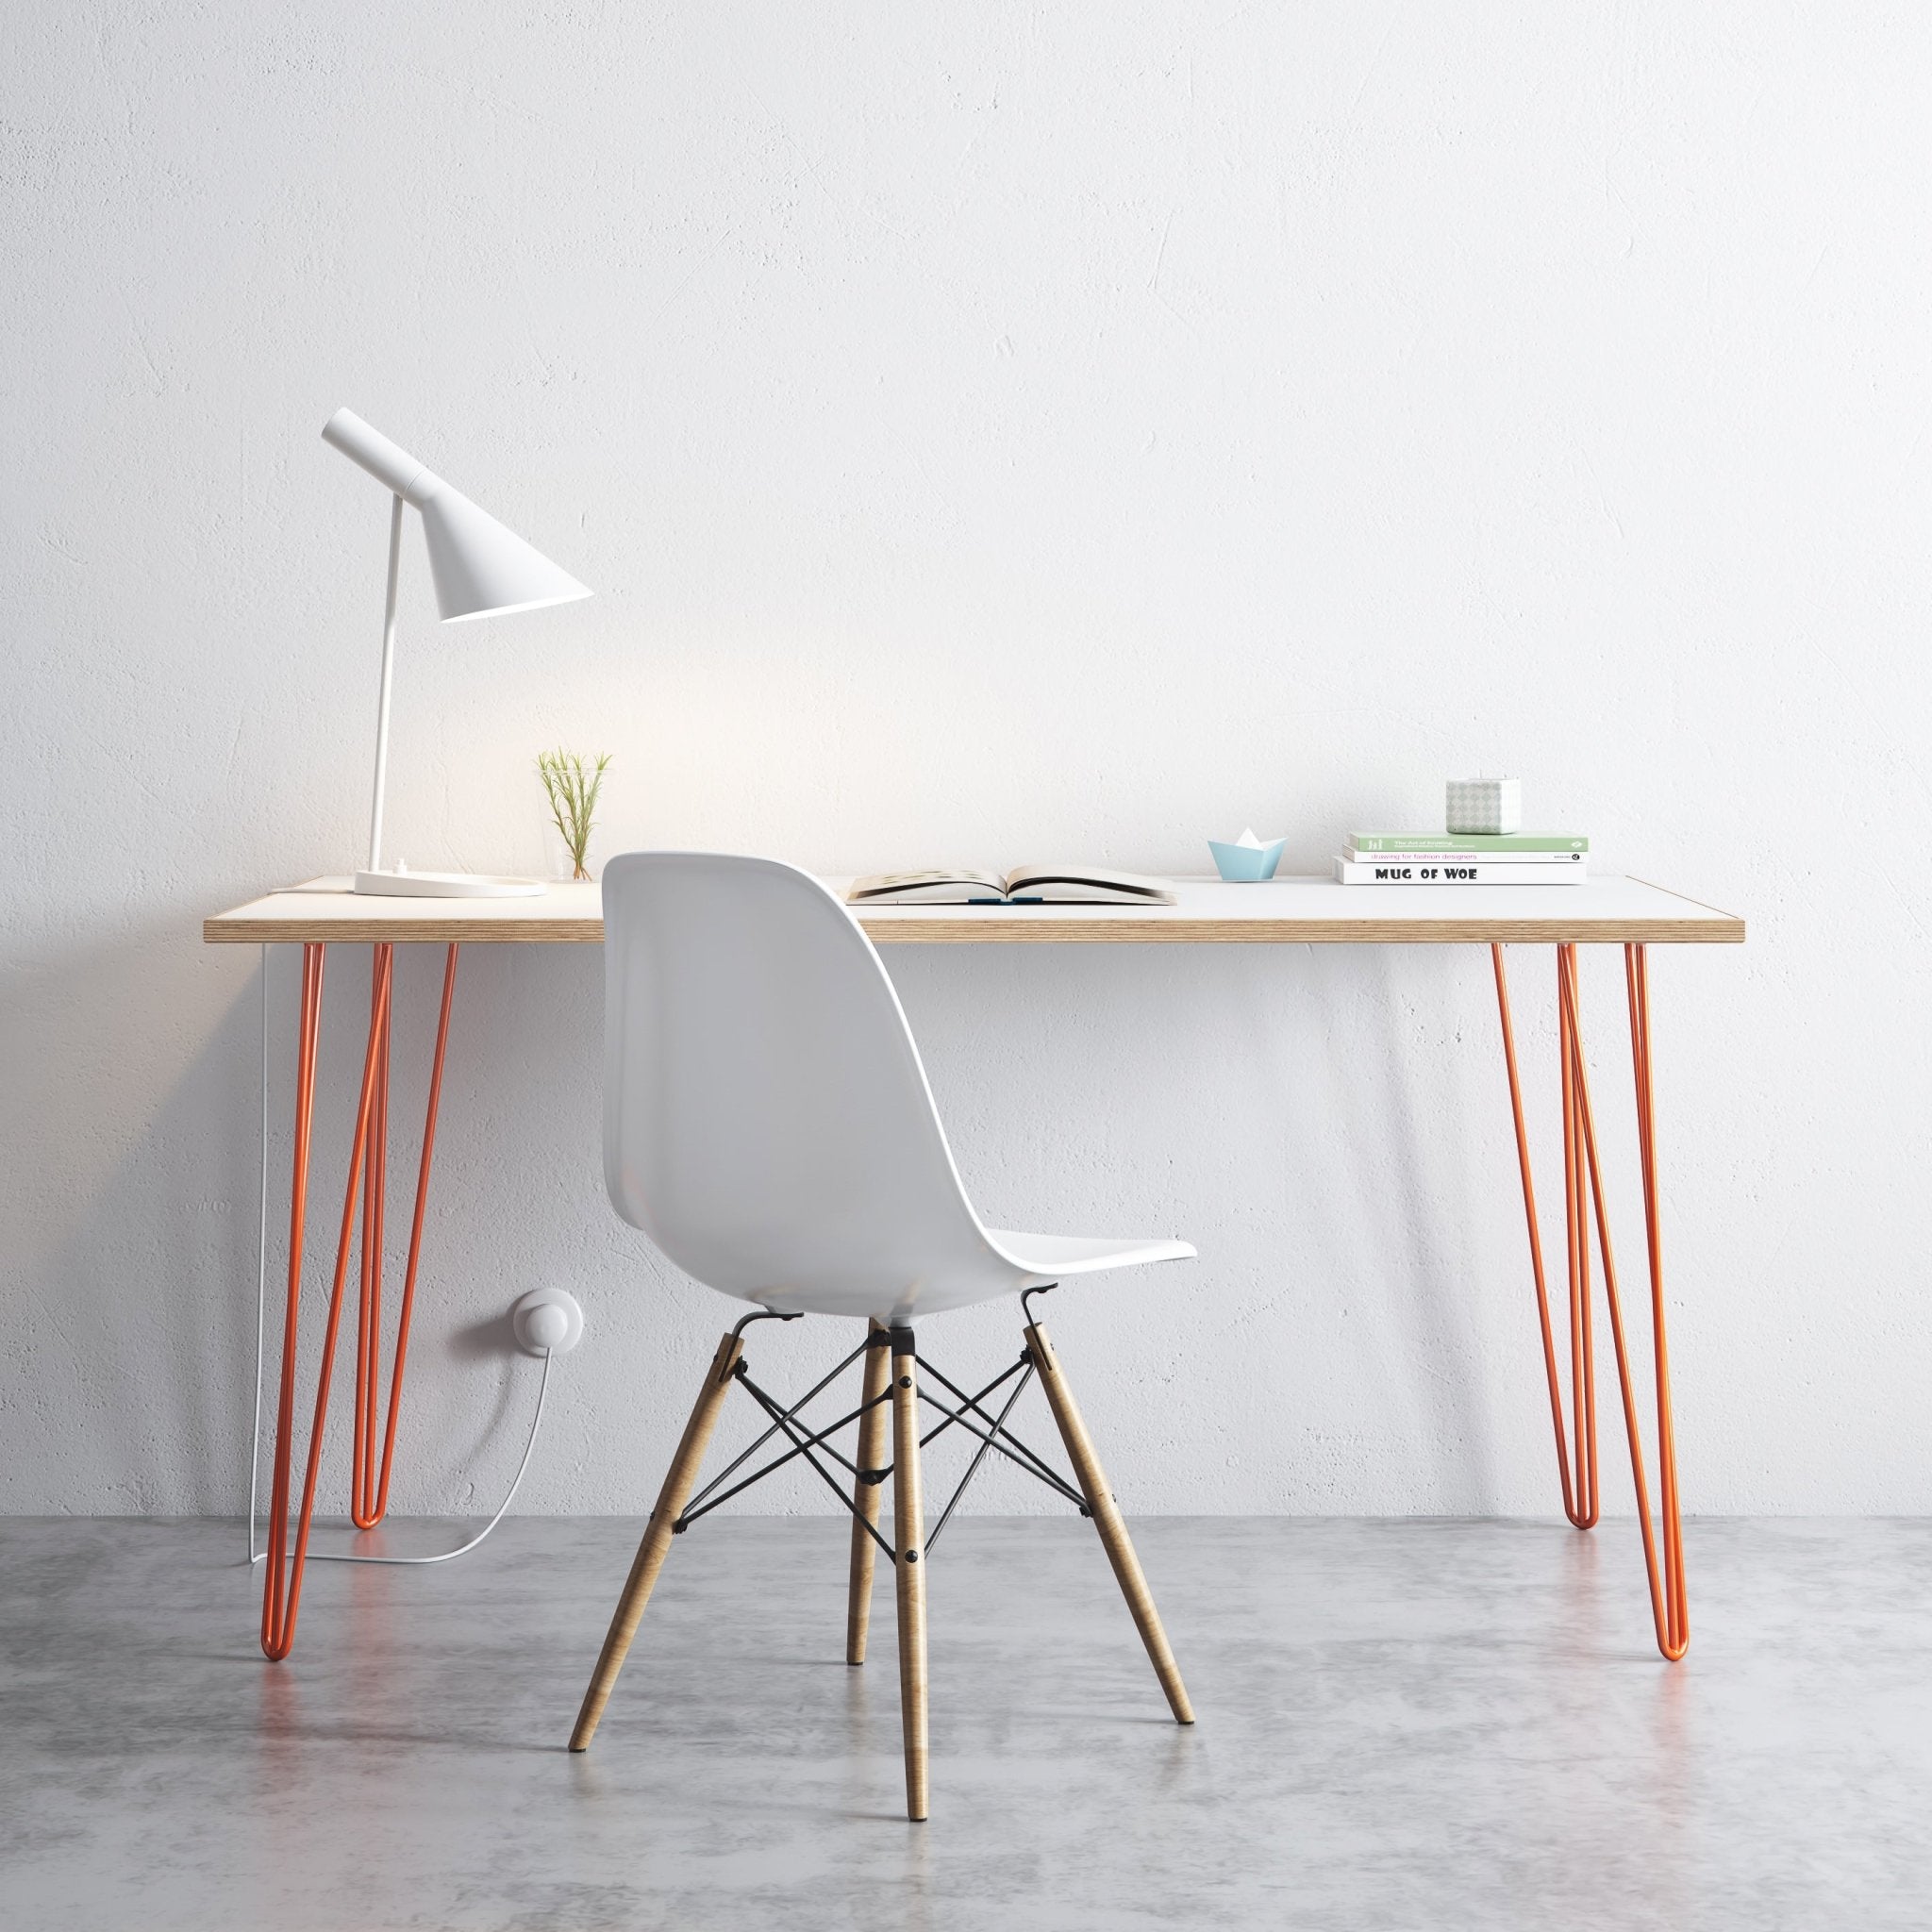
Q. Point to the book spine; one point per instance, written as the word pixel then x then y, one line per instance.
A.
pixel 1456 871
pixel 1417 855
pixel 1467 842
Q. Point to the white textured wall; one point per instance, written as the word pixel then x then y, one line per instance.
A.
pixel 990 430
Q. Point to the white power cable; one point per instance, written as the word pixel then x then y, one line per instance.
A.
pixel 255 1555
pixel 462 1549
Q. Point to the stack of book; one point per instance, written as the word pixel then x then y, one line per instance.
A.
pixel 1464 858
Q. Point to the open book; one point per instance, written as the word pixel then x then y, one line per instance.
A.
pixel 1025 884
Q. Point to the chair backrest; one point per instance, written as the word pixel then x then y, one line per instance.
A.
pixel 766 1118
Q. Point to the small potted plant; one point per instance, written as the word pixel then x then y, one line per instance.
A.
pixel 571 783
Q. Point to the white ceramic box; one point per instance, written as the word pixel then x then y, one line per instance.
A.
pixel 1492 806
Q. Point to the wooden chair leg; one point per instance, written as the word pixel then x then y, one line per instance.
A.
pixel 656 1543
pixel 909 1545
pixel 872 1428
pixel 1108 1521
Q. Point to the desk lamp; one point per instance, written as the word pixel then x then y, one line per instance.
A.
pixel 480 570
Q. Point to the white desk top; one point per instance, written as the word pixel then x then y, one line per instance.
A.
pixel 1283 911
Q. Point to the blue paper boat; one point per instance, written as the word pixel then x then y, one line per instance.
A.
pixel 1246 865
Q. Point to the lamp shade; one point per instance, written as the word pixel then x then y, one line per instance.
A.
pixel 479 568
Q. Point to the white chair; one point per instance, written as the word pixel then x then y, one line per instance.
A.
pixel 768 1123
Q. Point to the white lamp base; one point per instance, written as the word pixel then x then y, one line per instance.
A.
pixel 447 885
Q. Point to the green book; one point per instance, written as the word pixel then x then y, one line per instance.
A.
pixel 1467 842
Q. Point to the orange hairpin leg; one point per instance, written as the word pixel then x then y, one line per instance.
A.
pixel 370 1477
pixel 281 1595
pixel 282 1584
pixel 1669 1596
pixel 362 1498
pixel 1583 1202
pixel 277 1616
pixel 1580 1500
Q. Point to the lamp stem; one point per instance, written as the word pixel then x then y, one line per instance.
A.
pixel 389 658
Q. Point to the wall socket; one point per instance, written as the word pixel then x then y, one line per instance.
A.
pixel 547 1321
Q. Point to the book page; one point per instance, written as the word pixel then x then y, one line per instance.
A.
pixel 943 887
pixel 1086 884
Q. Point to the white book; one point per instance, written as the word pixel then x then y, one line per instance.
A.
pixel 1383 871
pixel 1025 884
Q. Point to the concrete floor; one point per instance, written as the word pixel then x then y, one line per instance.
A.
pixel 1402 1725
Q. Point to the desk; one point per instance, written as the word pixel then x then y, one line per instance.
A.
pixel 1293 911
pixel 1296 912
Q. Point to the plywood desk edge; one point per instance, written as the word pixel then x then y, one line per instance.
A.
pixel 1705 925
pixel 239 927
pixel 1529 930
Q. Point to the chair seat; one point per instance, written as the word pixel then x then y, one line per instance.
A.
pixel 992 1263
pixel 1082 1254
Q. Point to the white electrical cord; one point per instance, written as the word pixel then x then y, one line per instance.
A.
pixel 442 1556
pixel 255 1555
